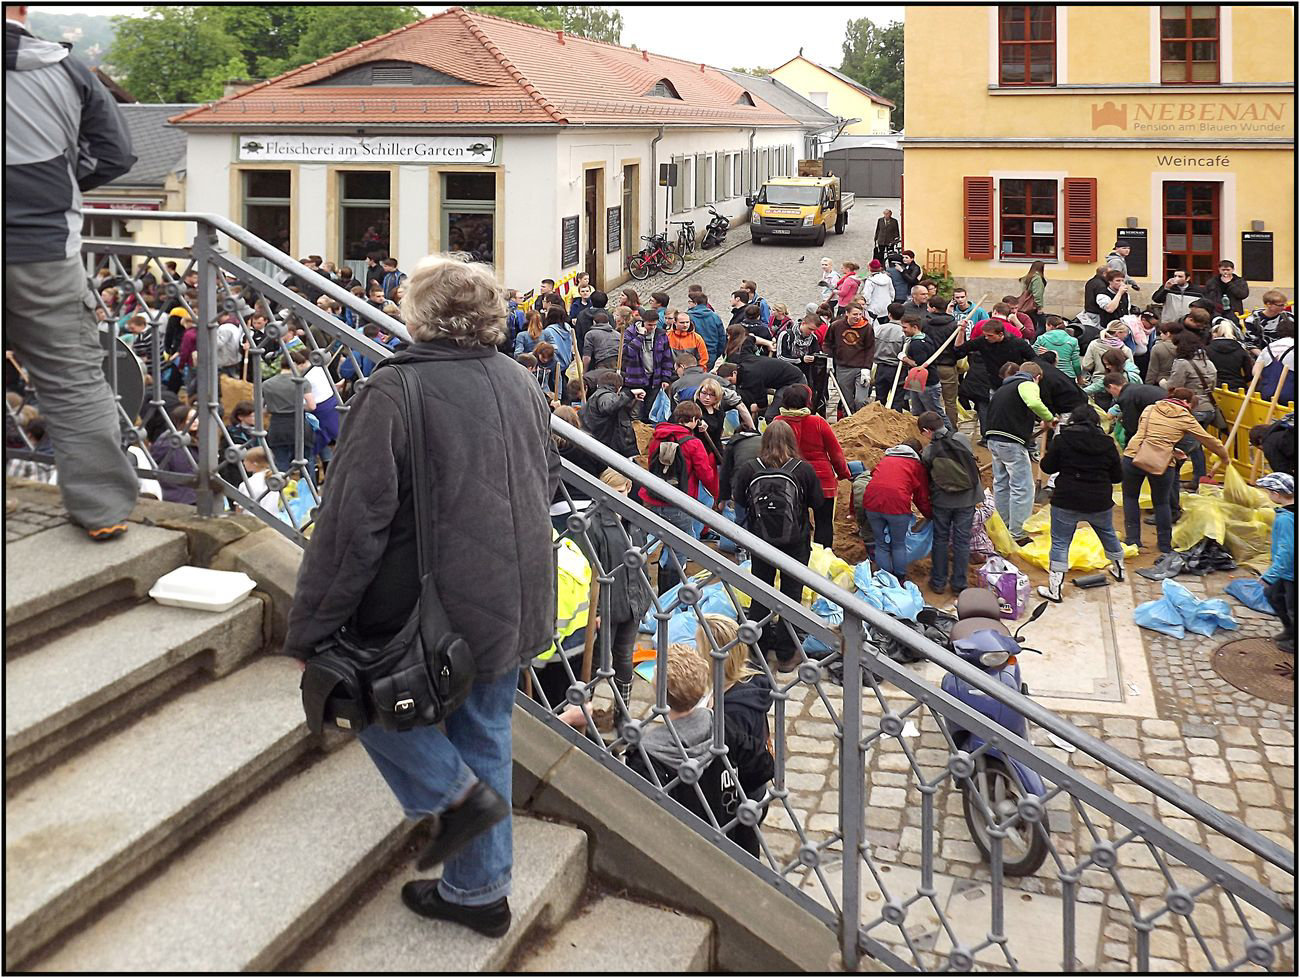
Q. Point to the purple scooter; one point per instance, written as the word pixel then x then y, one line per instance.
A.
pixel 1005 786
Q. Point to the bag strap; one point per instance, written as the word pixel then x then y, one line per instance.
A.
pixel 430 606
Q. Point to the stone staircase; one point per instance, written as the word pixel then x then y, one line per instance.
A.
pixel 168 810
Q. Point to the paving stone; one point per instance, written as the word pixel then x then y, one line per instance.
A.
pixel 1119 726
pixel 1165 748
pixel 1277 738
pixel 1257 793
pixel 1210 770
pixel 887 797
pixel 1242 754
pixel 1224 799
pixel 1192 728
pixel 1203 746
pixel 1264 819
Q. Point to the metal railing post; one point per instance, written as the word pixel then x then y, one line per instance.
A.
pixel 852 789
pixel 209 386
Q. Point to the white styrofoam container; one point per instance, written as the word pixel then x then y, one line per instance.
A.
pixel 202 589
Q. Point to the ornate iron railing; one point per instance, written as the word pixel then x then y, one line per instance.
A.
pixel 870 818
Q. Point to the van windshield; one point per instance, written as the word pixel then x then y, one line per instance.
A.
pixel 795 196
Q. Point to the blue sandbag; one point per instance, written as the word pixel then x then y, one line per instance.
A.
pixel 830 613
pixel 920 543
pixel 662 409
pixel 1251 592
pixel 1160 616
pixel 681 626
pixel 883 591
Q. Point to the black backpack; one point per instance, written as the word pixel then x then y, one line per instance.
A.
pixel 669 463
pixel 775 503
pixel 952 468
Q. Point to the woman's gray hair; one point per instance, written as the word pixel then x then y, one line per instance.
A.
pixel 450 300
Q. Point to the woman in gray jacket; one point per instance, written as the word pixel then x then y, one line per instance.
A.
pixel 494 469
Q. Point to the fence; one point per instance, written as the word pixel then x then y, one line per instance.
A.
pixel 873 817
pixel 1255 410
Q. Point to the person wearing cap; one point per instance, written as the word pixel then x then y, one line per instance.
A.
pixel 1117 260
pixel 878 290
pixel 1280 576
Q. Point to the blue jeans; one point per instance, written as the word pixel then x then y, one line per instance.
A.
pixel 951 526
pixel 1064 522
pixel 890 533
pixel 428 769
pixel 1161 488
pixel 930 399
pixel 1013 484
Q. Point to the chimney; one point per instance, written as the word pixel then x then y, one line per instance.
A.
pixel 701 66
pixel 645 55
pixel 559 36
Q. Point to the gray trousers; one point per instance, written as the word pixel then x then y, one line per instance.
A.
pixel 854 392
pixel 49 323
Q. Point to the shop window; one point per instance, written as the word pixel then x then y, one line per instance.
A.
pixel 1189 45
pixel 1026 45
pixel 469 207
pixel 268 211
pixel 102 226
pixel 1027 219
pixel 365 212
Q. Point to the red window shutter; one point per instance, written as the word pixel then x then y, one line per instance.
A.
pixel 1080 219
pixel 977 196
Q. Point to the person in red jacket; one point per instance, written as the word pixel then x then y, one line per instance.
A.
pixel 821 449
pixel 900 480
pixel 688 466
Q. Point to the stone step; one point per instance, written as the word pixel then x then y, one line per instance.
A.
pixel 613 935
pixel 59 575
pixel 87 828
pixel 247 895
pixel 74 685
pixel 549 876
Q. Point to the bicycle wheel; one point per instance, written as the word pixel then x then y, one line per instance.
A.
pixel 638 267
pixel 672 262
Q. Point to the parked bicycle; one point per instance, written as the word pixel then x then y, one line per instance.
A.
pixel 657 256
pixel 685 237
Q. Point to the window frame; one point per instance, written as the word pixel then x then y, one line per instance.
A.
pixel 1028 215
pixel 1188 41
pixel 246 199
pixel 346 203
pixel 460 205
pixel 1025 44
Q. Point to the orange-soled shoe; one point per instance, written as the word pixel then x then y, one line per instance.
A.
pixel 102 534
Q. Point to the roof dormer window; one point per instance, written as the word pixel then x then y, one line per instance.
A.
pixel 745 99
pixel 391 75
pixel 663 88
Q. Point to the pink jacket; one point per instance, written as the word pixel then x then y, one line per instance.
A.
pixel 847 288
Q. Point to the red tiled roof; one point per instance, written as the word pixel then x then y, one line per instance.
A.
pixel 515 74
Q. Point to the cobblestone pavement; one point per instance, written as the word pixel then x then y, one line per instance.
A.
pixel 30 512
pixel 776 267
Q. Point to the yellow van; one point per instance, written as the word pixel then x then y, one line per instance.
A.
pixel 798 207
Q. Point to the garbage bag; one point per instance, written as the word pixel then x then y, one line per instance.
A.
pixel 1251 592
pixel 1178 611
pixel 882 590
pixel 1238 492
pixel 1246 531
pixel 1086 551
pixel 681 626
pixel 828 565
pixel 999 534
pixel 1200 615
pixel 662 408
pixel 1207 557
pixel 832 615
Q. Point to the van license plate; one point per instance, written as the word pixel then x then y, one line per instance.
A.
pixel 780 230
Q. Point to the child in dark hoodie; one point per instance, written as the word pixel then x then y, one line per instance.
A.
pixel 746 702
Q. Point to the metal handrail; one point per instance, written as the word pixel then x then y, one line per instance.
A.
pixel 863 664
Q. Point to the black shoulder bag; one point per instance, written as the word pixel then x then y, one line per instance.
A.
pixel 423 673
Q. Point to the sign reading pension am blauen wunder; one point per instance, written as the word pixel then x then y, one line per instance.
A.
pixel 372 149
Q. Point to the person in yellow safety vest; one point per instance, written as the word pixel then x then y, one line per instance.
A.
pixel 573 589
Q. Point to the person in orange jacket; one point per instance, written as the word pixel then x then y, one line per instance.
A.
pixel 682 336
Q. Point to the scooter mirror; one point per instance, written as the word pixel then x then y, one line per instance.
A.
pixel 1033 617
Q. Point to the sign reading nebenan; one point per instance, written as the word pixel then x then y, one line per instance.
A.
pixel 374 149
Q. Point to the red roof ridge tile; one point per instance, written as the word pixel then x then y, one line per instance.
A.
pixel 234 96
pixel 506 63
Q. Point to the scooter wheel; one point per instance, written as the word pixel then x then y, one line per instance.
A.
pixel 1025 847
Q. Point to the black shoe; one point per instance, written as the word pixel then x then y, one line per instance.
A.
pixel 422 896
pixel 937 588
pixel 1284 642
pixel 455 827
pixel 1149 520
pixel 1024 541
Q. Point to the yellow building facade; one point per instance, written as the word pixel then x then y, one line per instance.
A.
pixel 837 94
pixel 1049 132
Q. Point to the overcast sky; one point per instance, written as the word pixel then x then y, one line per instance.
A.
pixel 726 35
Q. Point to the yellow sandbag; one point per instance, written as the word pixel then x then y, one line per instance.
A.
pixel 999 535
pixel 1237 492
pixel 829 566
pixel 1246 531
pixel 1086 552
pixel 1040 522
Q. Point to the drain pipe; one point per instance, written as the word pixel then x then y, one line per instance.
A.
pixel 654 180
pixel 750 168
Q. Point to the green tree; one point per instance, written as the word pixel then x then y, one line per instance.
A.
pixel 329 29
pixel 174 54
pixel 597 23
pixel 756 72
pixel 873 56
